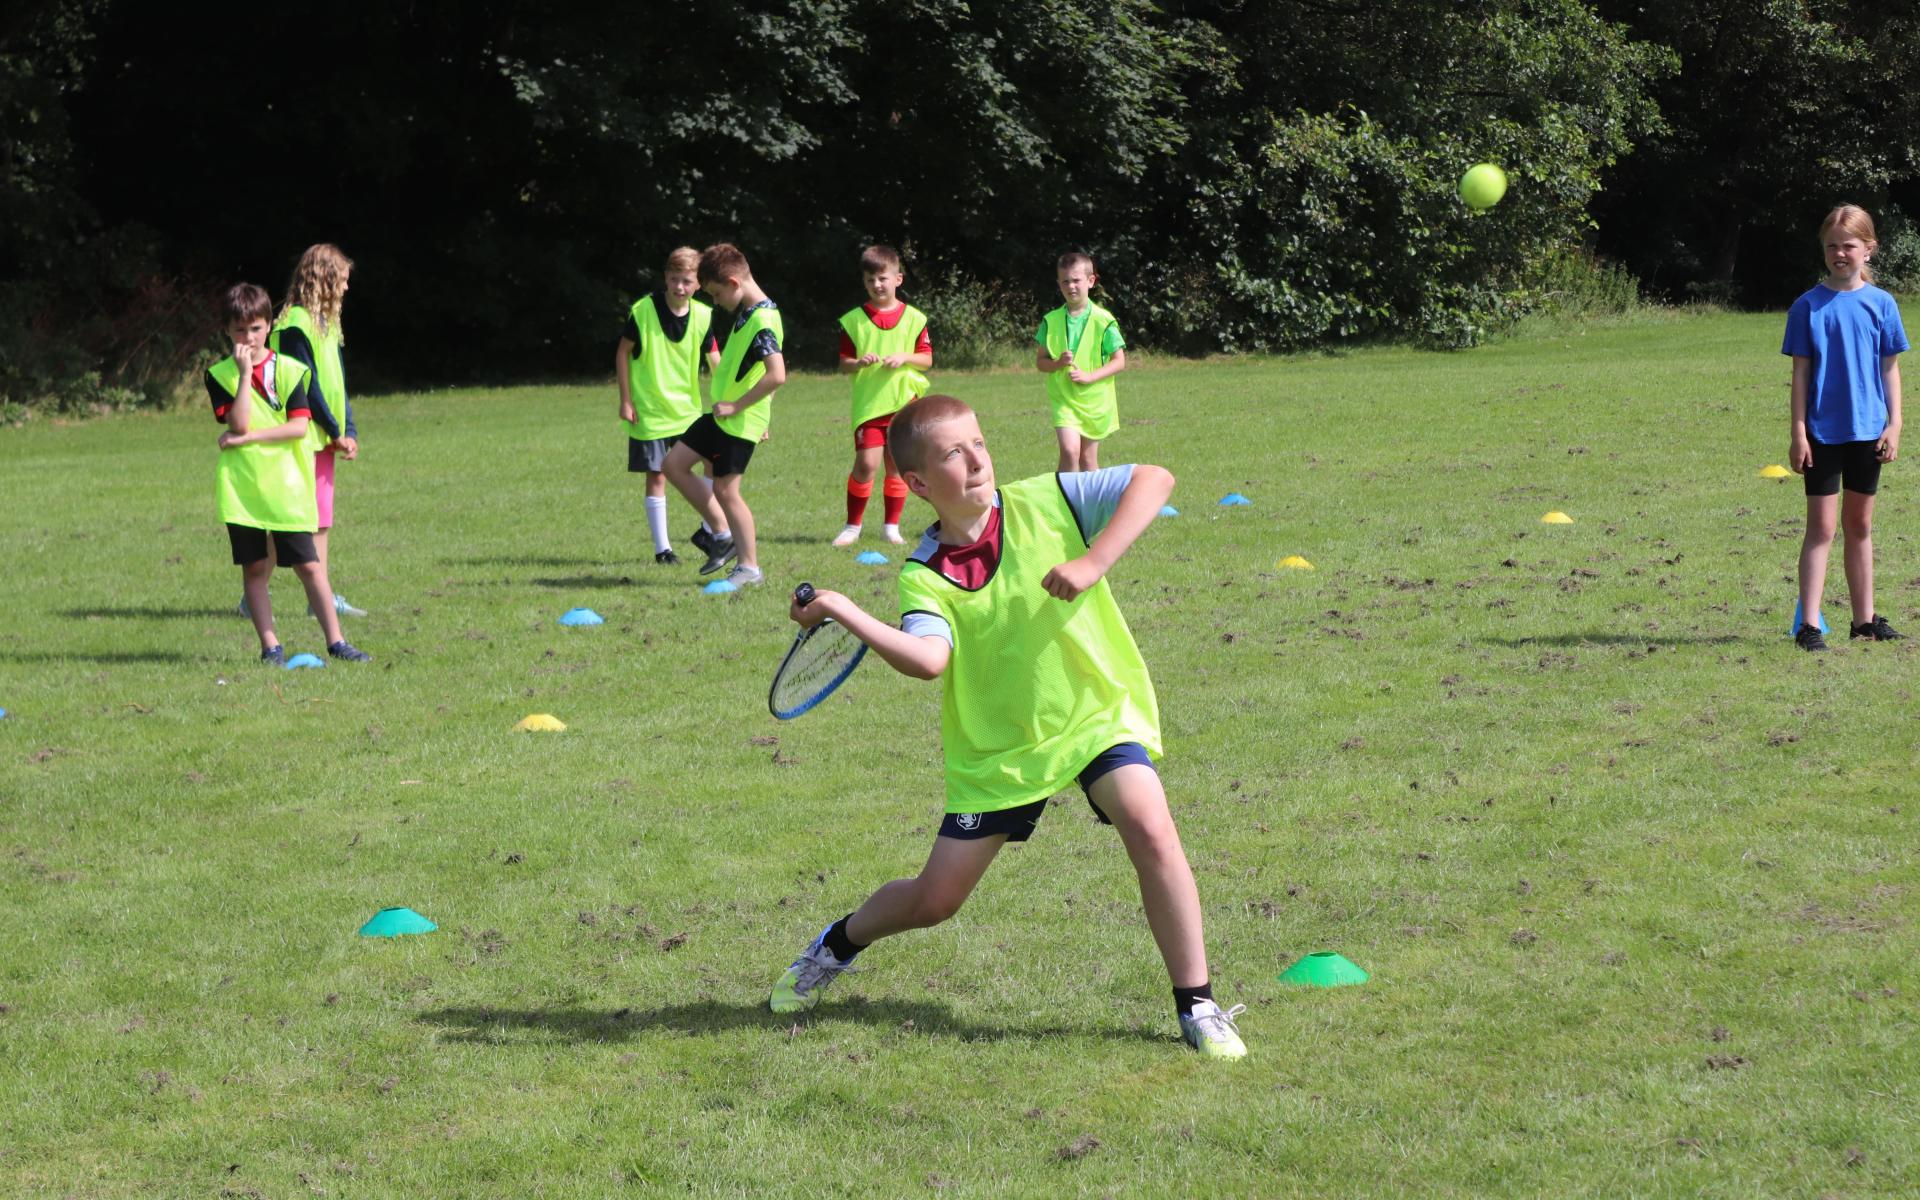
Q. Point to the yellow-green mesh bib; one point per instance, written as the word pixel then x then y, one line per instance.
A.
pixel 1092 408
pixel 1036 687
pixel 268 485
pixel 753 422
pixel 880 391
pixel 664 378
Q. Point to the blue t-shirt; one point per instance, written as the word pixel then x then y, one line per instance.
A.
pixel 1846 334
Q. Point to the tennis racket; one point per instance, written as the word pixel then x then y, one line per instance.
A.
pixel 819 661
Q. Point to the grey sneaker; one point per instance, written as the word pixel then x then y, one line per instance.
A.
pixel 799 989
pixel 243 610
pixel 745 576
pixel 1211 1030
pixel 276 657
pixel 345 609
pixel 719 554
pixel 348 652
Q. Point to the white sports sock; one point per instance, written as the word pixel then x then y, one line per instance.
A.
pixel 657 522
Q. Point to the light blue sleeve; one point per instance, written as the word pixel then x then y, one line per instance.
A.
pixel 926 624
pixel 1093 495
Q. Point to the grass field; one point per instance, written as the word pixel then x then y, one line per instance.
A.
pixel 1636 880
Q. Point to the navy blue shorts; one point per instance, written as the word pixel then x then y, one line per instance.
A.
pixel 1018 823
pixel 1856 464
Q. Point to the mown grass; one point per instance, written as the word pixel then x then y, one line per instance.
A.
pixel 1635 879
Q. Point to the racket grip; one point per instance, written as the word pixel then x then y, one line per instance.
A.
pixel 803 595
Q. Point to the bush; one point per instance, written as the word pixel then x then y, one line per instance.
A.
pixel 974 323
pixel 1896 264
pixel 1572 281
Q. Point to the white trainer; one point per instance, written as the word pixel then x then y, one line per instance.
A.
pixel 745 576
pixel 892 534
pixel 848 535
pixel 1211 1030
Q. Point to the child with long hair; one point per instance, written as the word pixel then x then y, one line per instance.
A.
pixel 1845 338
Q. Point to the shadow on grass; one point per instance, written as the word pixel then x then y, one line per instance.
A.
pixel 520 560
pixel 142 612
pixel 600 581
pixel 489 1026
pixel 1621 639
pixel 95 656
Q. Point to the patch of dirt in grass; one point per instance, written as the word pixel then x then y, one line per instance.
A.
pixel 1726 1062
pixel 1079 1147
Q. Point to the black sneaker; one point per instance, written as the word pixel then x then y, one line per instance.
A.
pixel 345 650
pixel 276 657
pixel 719 554
pixel 1809 638
pixel 702 540
pixel 1876 630
pixel 667 558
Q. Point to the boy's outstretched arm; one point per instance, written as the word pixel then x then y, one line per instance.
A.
pixel 917 657
pixel 1139 504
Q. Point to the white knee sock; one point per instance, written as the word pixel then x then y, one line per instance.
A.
pixel 657 522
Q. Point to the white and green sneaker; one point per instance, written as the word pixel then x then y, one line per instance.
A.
pixel 799 989
pixel 1211 1030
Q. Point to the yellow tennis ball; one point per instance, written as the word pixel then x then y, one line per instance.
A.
pixel 1483 185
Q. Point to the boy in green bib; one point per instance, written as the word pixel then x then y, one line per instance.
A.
pixel 263 485
pixel 752 368
pixel 1005 601
pixel 884 346
pixel 1080 351
pixel 656 370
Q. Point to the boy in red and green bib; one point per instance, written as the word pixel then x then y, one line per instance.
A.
pixel 263 484
pixel 1006 602
pixel 1080 351
pixel 884 346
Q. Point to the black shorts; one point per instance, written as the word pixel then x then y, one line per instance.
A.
pixel 648 454
pixel 1018 823
pixel 1857 464
pixel 289 549
pixel 727 454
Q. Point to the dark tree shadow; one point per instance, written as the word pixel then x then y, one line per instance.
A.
pixel 564 582
pixel 96 656
pixel 142 612
pixel 1621 639
pixel 563 1024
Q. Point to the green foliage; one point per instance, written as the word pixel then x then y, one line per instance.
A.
pixel 1576 283
pixel 979 324
pixel 1896 264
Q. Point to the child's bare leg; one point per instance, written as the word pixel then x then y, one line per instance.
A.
pixel 1089 454
pixel 313 577
pixel 254 578
pixel 1813 552
pixel 1134 801
pixel 726 492
pixel 935 894
pixel 696 491
pixel 1069 440
pixel 1856 525
pixel 866 463
pixel 657 484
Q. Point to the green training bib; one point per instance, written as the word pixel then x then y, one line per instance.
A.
pixel 1092 408
pixel 664 378
pixel 268 485
pixel 880 391
pixel 750 424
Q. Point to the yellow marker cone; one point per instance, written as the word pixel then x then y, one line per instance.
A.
pixel 1774 471
pixel 1556 518
pixel 540 723
pixel 1296 563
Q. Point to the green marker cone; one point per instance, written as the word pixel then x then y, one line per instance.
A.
pixel 1323 969
pixel 392 922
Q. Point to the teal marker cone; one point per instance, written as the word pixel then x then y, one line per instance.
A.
pixel 1324 969
pixel 1233 500
pixel 720 587
pixel 871 558
pixel 1819 621
pixel 393 922
pixel 305 660
pixel 582 616
pixel 1168 510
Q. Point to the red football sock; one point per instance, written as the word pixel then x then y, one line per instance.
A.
pixel 857 494
pixel 895 493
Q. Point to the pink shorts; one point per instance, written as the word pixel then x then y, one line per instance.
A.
pixel 323 486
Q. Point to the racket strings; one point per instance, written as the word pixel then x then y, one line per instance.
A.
pixel 815 666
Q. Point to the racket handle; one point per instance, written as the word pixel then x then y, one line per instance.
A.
pixel 803 595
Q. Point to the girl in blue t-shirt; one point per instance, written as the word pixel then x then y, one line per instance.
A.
pixel 1845 337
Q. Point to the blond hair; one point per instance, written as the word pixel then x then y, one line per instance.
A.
pixel 683 258
pixel 318 285
pixel 1854 222
pixel 906 434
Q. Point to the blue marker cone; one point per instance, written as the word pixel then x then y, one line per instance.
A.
pixel 305 660
pixel 392 922
pixel 720 587
pixel 581 616
pixel 872 558
pixel 1234 500
pixel 1819 621
pixel 1168 510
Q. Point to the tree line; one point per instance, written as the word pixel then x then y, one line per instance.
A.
pixel 1250 174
